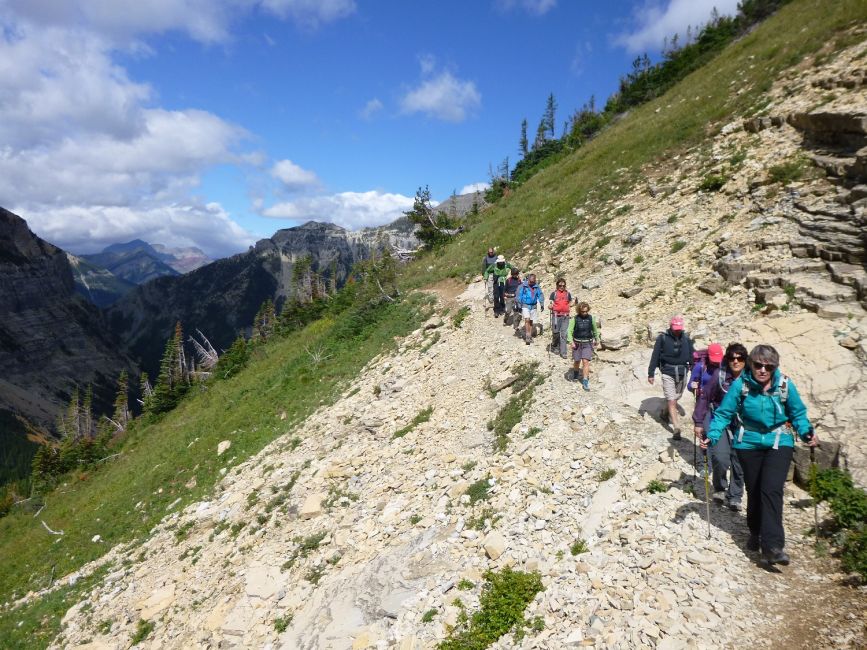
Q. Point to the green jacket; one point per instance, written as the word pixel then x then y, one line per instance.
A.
pixel 500 274
pixel 594 329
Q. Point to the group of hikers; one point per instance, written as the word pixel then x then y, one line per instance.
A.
pixel 747 412
pixel 572 325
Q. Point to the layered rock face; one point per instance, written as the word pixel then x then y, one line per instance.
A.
pixel 50 338
pixel 222 298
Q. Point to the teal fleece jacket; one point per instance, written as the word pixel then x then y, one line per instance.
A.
pixel 761 414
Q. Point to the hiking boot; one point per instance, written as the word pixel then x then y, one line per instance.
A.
pixel 528 339
pixel 776 556
pixel 753 542
pixel 719 497
pixel 675 434
pixel 585 383
pixel 734 506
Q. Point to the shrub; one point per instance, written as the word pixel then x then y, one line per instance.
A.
pixel 460 315
pixel 656 486
pixel 142 631
pixel 606 474
pixel 578 547
pixel 281 623
pixel 853 553
pixel 420 418
pixel 478 491
pixel 428 616
pixel 677 245
pixel 504 597
pixel 712 183
pixel 465 585
pixel 850 508
pixel 787 172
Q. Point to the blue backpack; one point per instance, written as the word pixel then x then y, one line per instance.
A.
pixel 535 294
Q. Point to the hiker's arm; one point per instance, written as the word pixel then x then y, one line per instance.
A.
pixel 488 271
pixel 569 330
pixel 797 412
pixel 701 405
pixel 654 358
pixel 724 415
pixel 594 324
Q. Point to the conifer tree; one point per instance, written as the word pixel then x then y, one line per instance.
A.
pixel 172 381
pixel 71 421
pixel 147 393
pixel 121 400
pixel 540 134
pixel 523 144
pixel 87 413
pixel 265 321
pixel 549 118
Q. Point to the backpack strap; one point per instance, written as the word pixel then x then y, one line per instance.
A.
pixel 745 390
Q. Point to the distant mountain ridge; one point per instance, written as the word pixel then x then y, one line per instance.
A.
pixel 222 298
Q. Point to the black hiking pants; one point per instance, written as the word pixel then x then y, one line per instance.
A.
pixel 765 473
pixel 499 298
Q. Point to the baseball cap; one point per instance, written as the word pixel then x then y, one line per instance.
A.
pixel 715 352
pixel 676 323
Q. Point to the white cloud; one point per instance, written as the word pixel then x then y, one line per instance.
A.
pixel 89 229
pixel 203 20
pixel 473 188
pixel 536 7
pixel 443 97
pixel 351 210
pixel 292 176
pixel 656 21
pixel 371 108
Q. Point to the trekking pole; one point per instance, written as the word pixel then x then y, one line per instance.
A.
pixel 814 471
pixel 707 492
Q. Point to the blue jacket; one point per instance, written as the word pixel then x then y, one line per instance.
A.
pixel 529 296
pixel 761 414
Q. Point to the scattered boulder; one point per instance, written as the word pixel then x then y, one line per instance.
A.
pixel 312 506
pixel 592 283
pixel 494 544
pixel 223 447
pixel 631 291
pixel 827 456
pixel 616 337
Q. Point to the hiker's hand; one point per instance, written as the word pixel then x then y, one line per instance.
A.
pixel 650 380
pixel 813 439
pixel 698 431
pixel 703 442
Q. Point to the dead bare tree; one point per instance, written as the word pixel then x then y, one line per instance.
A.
pixel 317 355
pixel 205 352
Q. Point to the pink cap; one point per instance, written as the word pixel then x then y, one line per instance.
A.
pixel 715 352
pixel 676 323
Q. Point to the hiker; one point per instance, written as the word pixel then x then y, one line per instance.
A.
pixel 499 271
pixel 583 336
pixel 725 368
pixel 770 412
pixel 529 295
pixel 489 259
pixel 672 355
pixel 512 284
pixel 561 301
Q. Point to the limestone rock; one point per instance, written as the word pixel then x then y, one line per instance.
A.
pixel 312 505
pixel 494 544
pixel 223 446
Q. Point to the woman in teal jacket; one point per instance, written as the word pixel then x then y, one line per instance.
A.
pixel 767 411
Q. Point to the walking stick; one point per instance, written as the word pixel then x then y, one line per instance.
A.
pixel 707 492
pixel 814 471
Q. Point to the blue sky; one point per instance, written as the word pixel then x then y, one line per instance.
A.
pixel 217 122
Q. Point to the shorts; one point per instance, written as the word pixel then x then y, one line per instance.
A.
pixel 529 313
pixel 671 389
pixel 583 351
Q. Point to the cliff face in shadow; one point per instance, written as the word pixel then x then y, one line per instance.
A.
pixel 50 337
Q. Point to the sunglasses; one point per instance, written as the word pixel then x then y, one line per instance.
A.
pixel 768 367
pixel 737 357
pixel 561 284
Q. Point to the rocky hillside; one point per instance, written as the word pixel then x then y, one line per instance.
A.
pixel 50 338
pixel 372 523
pixel 96 284
pixel 222 298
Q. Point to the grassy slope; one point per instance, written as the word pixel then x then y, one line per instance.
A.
pixel 245 410
pixel 161 458
pixel 613 161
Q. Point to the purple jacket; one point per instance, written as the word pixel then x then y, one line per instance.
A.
pixel 711 396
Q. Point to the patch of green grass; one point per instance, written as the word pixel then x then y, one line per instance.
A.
pixel 465 585
pixel 504 597
pixel 532 432
pixel 420 418
pixel 414 519
pixel 478 491
pixel 656 486
pixel 338 496
pixel 638 259
pixel 602 242
pixel 183 531
pixel 479 521
pixel 428 616
pixel 578 547
pixel 513 410
pixel 469 466
pixel 789 171
pixel 672 219
pixel 460 315
pixel 281 623
pixel 712 183
pixel 315 574
pixel 433 341
pixel 677 245
pixel 104 627
pixel 606 474
pixel 142 631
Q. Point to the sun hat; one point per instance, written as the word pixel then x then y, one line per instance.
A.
pixel 501 258
pixel 715 352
